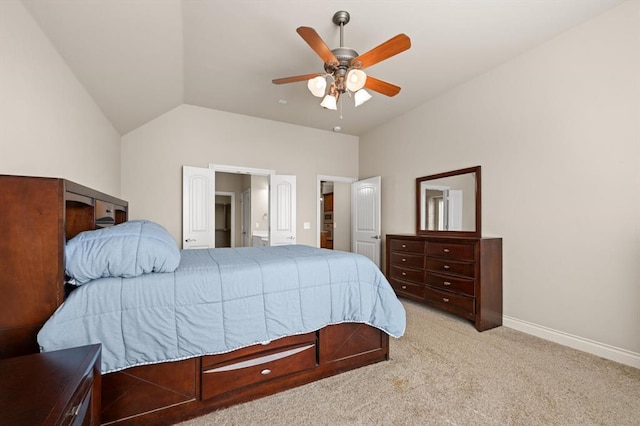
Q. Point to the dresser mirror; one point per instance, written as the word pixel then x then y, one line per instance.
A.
pixel 449 203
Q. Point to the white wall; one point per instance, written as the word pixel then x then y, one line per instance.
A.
pixel 557 133
pixel 153 156
pixel 49 125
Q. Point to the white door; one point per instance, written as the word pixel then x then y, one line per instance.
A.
pixel 282 208
pixel 365 222
pixel 198 214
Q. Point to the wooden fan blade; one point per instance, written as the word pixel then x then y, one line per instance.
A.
pixel 318 45
pixel 295 78
pixel 381 86
pixel 389 48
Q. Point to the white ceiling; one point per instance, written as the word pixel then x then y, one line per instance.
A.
pixel 141 58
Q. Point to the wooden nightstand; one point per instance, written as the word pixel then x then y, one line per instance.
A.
pixel 51 388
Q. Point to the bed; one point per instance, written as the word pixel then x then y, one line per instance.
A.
pixel 221 326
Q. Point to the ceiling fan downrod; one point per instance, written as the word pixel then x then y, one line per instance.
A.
pixel 341 18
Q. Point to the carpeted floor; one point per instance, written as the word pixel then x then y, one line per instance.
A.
pixel 443 372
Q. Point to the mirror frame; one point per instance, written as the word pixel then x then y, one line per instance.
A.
pixel 477 233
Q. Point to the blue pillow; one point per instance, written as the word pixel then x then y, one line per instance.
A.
pixel 126 250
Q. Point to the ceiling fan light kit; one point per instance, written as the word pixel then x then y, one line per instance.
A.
pixel 343 67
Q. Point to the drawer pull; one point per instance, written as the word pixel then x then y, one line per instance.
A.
pixel 404 274
pixel 404 260
pixel 447 267
pixel 404 287
pixel 73 412
pixel 404 246
pixel 446 283
pixel 445 250
pixel 444 299
pixel 265 372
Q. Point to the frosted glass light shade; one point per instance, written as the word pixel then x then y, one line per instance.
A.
pixel 317 85
pixel 361 97
pixel 329 102
pixel 356 80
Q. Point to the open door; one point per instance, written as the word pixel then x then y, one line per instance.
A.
pixel 282 207
pixel 198 214
pixel 365 222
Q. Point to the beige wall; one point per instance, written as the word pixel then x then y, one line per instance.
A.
pixel 50 126
pixel 153 156
pixel 557 133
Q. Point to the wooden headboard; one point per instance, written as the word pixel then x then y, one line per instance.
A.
pixel 38 216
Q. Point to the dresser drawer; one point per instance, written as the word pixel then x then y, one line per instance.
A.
pixel 451 250
pixel 234 375
pixel 451 283
pixel 462 305
pixel 407 260
pixel 414 275
pixel 451 267
pixel 407 246
pixel 407 289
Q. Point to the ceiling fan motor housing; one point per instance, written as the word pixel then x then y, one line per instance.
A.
pixel 344 55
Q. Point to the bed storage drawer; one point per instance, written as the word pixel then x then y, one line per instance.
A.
pixel 268 365
pixel 257 363
pixel 257 350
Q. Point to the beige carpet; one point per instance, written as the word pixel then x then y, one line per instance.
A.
pixel 443 372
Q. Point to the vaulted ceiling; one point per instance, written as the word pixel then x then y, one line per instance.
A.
pixel 140 58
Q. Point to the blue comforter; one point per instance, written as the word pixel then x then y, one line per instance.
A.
pixel 219 300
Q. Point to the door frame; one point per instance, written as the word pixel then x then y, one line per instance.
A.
pixel 319 213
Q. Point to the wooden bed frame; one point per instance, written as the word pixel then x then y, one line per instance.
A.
pixel 40 214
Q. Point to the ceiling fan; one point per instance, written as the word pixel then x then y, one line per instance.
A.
pixel 343 67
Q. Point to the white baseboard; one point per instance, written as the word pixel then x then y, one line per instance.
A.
pixel 596 348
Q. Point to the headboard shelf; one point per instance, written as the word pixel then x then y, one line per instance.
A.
pixel 38 216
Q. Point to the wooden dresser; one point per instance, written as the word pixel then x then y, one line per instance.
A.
pixel 38 216
pixel 460 275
